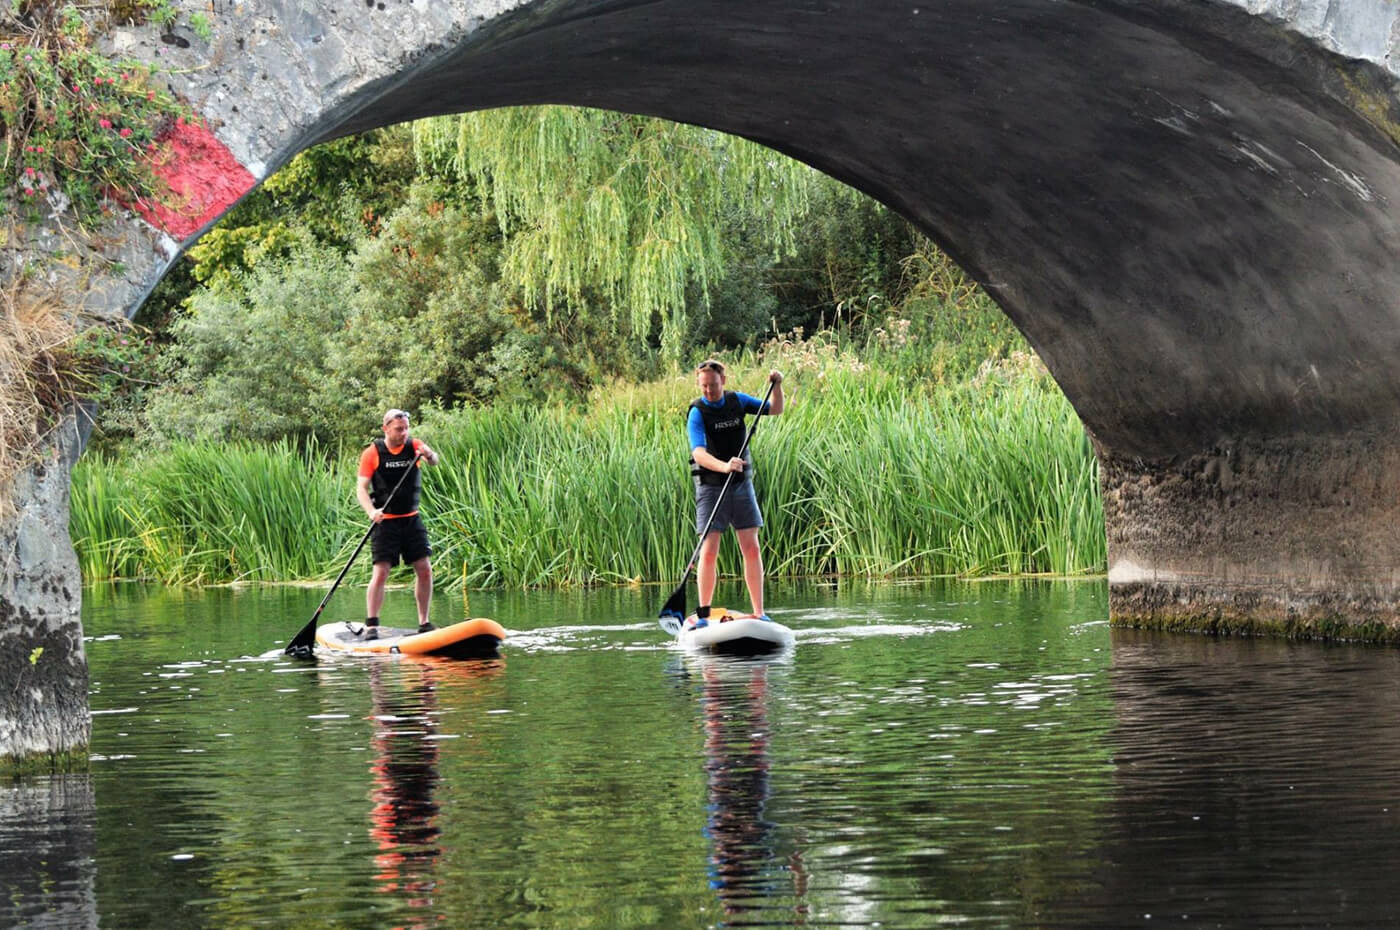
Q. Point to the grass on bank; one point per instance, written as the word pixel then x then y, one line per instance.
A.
pixel 38 375
pixel 860 476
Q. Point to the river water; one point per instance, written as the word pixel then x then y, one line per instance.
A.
pixel 942 753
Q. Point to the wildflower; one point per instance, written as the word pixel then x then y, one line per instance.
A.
pixel 105 123
pixel 29 171
pixel 126 131
pixel 150 95
pixel 39 149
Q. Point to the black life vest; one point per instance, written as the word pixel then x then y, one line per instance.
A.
pixel 724 436
pixel 390 470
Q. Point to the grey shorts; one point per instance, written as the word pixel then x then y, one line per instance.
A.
pixel 739 509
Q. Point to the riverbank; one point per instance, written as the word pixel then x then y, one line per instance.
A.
pixel 862 476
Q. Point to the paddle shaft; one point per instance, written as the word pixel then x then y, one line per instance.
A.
pixel 753 428
pixel 303 640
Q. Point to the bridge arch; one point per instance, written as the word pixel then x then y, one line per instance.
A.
pixel 1189 208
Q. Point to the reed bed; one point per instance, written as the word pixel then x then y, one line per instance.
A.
pixel 860 477
pixel 200 513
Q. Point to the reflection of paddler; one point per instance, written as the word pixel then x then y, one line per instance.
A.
pixel 403 820
pixel 736 763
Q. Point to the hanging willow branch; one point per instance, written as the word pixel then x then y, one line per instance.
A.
pixel 627 207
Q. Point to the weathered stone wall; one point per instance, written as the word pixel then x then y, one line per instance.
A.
pixel 43 669
pixel 100 272
pixel 1291 537
pixel 1366 30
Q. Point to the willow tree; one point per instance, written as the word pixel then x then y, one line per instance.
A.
pixel 626 207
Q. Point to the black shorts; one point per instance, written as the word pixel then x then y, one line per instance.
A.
pixel 401 538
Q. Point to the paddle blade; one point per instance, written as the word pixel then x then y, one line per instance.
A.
pixel 670 625
pixel 675 604
pixel 304 642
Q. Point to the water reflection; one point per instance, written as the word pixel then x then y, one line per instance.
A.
pixel 48 827
pixel 1255 786
pixel 405 774
pixel 744 871
pixel 985 756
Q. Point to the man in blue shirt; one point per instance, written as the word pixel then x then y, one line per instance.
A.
pixel 716 428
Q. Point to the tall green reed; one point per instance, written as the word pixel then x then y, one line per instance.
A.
pixel 861 475
pixel 202 512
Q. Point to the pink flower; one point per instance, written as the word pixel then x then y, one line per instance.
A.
pixel 125 76
pixel 29 171
pixel 126 131
pixel 150 95
pixel 39 149
pixel 105 123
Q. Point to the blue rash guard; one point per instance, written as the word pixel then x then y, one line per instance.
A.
pixel 695 422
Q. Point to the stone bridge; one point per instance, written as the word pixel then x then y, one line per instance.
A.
pixel 1188 206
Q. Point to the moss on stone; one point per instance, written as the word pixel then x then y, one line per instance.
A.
pixel 1225 622
pixel 45 763
pixel 1376 106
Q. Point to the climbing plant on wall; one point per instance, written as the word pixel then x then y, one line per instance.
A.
pixel 77 127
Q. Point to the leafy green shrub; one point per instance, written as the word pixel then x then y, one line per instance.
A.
pixel 251 361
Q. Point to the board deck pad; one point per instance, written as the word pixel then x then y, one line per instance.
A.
pixel 478 637
pixel 731 633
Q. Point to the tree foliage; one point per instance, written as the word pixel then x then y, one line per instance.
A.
pixel 529 254
pixel 330 194
pixel 250 356
pixel 623 207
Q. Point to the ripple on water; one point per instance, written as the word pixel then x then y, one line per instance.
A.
pixel 987 755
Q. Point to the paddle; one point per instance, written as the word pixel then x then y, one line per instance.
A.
pixel 301 644
pixel 673 612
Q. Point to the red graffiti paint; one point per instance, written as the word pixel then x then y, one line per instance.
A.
pixel 201 177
